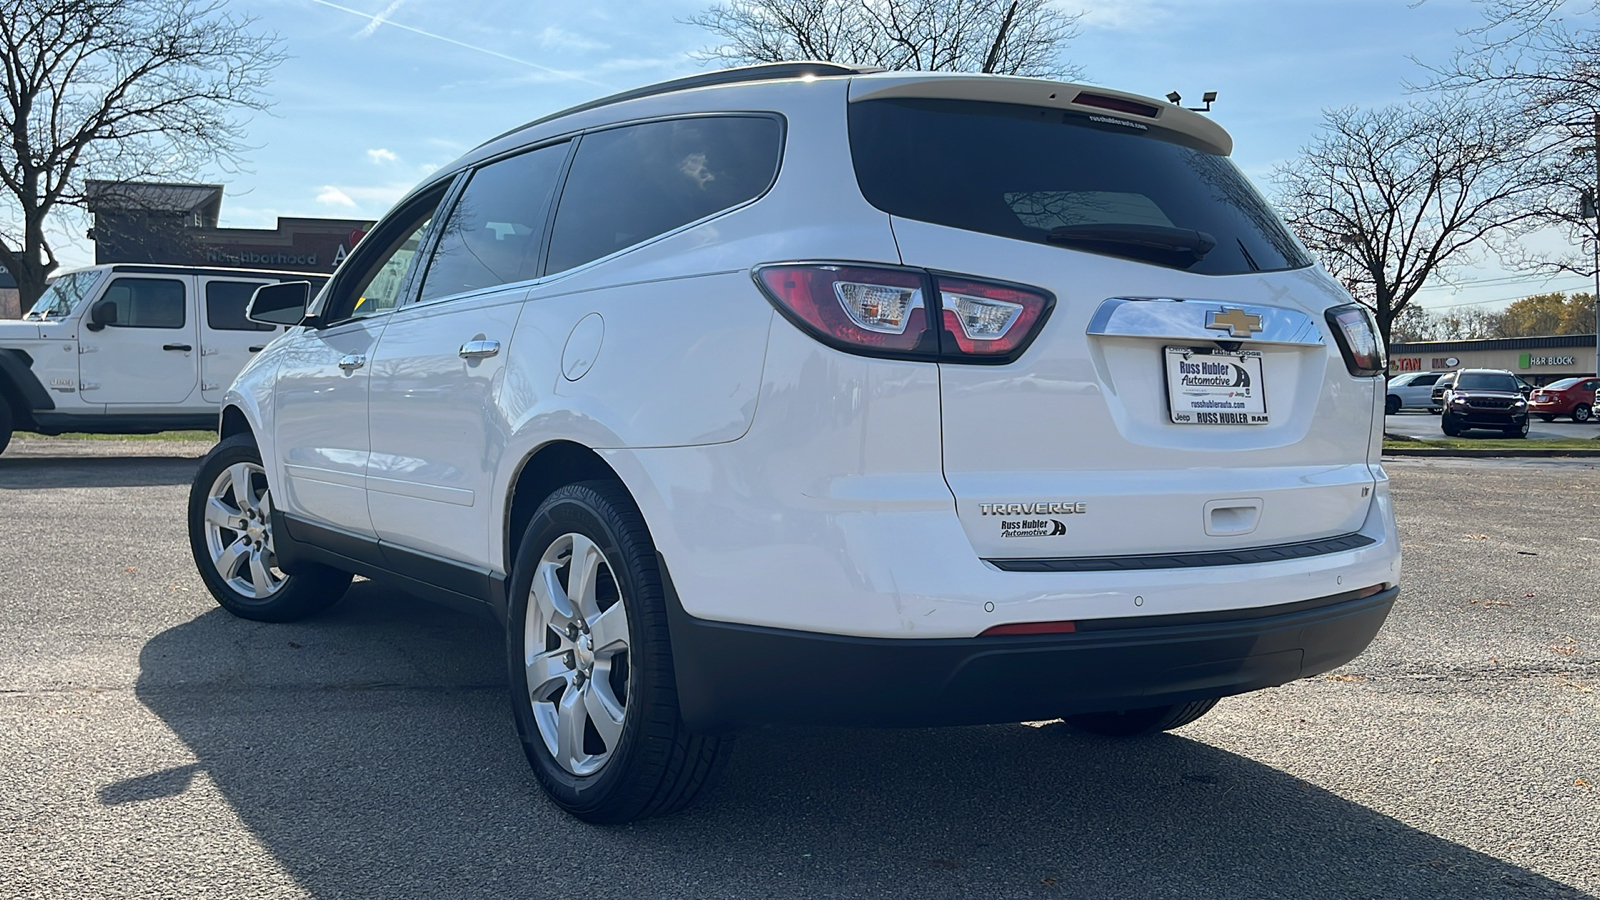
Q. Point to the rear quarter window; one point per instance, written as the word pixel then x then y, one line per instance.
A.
pixel 1020 171
pixel 632 183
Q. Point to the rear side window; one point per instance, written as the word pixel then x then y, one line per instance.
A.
pixel 1022 172
pixel 630 184
pixel 1424 380
pixel 225 305
pixel 146 302
pixel 494 231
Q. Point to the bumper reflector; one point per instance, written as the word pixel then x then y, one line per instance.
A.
pixel 1032 628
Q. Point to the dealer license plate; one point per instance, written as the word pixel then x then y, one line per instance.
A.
pixel 1215 388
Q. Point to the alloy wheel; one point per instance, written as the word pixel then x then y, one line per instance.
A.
pixel 576 654
pixel 238 531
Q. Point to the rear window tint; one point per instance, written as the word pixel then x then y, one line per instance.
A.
pixel 1021 171
pixel 630 184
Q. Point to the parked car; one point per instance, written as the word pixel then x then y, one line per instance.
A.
pixel 130 349
pixel 1448 379
pixel 755 397
pixel 1413 390
pixel 1485 398
pixel 1568 397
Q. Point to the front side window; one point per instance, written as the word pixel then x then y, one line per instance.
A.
pixel 632 183
pixel 225 306
pixel 1066 179
pixel 375 279
pixel 493 234
pixel 146 302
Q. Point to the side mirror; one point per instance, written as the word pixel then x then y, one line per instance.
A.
pixel 279 304
pixel 102 314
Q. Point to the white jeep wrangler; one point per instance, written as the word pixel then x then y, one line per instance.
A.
pixel 130 349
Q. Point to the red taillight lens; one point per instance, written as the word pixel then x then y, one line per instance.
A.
pixel 855 308
pixel 1358 340
pixel 1032 628
pixel 983 319
pixel 887 311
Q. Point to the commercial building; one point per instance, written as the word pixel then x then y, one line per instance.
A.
pixel 1540 360
pixel 10 300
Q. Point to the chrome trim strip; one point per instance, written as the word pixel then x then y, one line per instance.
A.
pixel 1184 319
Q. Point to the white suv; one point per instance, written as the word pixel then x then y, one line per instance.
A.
pixel 807 394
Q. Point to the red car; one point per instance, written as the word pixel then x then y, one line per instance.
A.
pixel 1568 397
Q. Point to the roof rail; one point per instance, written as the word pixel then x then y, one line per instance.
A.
pixel 762 72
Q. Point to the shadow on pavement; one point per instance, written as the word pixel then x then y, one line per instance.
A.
pixel 371 751
pixel 33 472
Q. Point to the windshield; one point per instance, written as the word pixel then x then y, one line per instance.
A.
pixel 1075 181
pixel 64 294
pixel 1487 381
pixel 1562 385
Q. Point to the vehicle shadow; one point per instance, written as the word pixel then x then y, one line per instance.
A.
pixel 34 472
pixel 371 751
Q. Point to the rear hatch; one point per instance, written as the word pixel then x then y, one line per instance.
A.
pixel 1185 392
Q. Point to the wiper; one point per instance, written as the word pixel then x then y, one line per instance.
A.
pixel 1178 247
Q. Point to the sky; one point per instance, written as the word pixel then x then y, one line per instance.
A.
pixel 375 94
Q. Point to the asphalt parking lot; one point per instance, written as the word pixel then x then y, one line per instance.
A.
pixel 1423 424
pixel 156 747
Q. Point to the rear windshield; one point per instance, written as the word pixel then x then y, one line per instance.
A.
pixel 1487 381
pixel 1022 171
pixel 1563 384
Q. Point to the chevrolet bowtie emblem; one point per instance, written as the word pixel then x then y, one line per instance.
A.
pixel 1236 322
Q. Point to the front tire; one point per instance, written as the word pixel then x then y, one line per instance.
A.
pixel 230 535
pixel 1449 425
pixel 1580 413
pixel 1139 722
pixel 7 422
pixel 590 663
pixel 1518 430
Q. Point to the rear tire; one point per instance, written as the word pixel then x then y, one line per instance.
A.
pixel 1391 405
pixel 6 423
pixel 1580 413
pixel 590 664
pixel 230 535
pixel 1138 722
pixel 1546 417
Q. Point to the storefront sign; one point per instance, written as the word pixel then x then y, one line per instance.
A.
pixel 1407 364
pixel 1528 360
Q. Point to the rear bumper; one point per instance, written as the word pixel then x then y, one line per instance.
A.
pixel 734 676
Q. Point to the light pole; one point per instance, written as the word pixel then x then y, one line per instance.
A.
pixel 1589 208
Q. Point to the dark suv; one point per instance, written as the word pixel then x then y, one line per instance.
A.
pixel 1485 398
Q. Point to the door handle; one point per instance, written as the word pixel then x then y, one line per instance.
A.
pixel 184 347
pixel 258 348
pixel 479 349
pixel 352 361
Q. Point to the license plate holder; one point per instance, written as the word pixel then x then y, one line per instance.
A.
pixel 1216 388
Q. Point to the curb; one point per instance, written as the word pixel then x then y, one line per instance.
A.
pixel 1530 453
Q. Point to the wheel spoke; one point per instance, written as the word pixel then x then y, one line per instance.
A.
pixel 553 600
pixel 220 514
pixel 259 576
pixel 265 506
pixel 241 486
pixel 545 670
pixel 581 578
pixel 610 631
pixel 607 721
pixel 570 716
pixel 227 559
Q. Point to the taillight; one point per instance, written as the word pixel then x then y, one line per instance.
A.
pixel 890 312
pixel 1358 340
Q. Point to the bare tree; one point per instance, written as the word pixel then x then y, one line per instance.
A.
pixel 1390 199
pixel 122 90
pixel 1010 37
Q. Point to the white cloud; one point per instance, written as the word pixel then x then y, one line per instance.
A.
pixel 332 196
pixel 553 38
pixel 380 156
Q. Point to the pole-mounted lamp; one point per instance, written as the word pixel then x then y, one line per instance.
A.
pixel 1208 98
